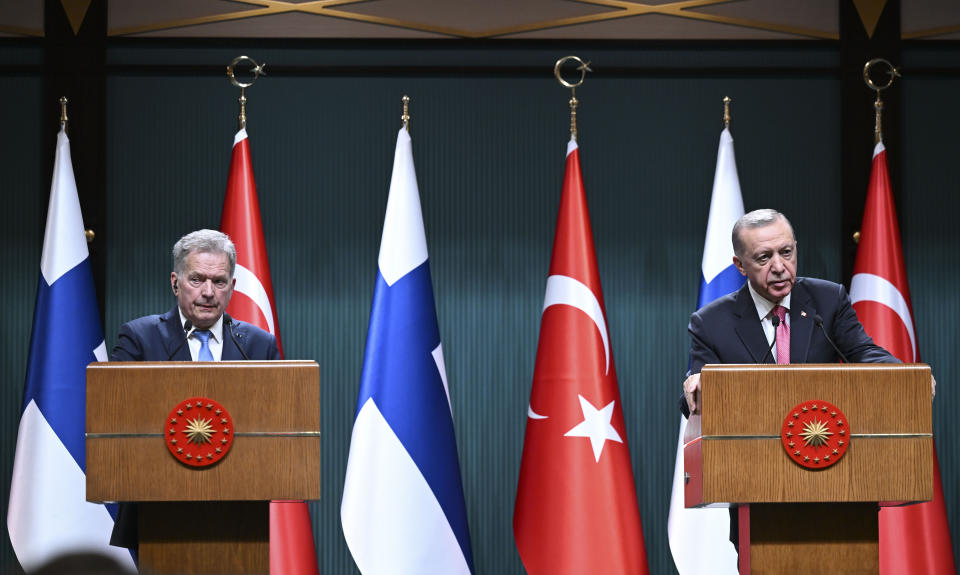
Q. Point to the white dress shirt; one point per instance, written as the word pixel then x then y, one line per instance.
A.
pixel 216 339
pixel 764 311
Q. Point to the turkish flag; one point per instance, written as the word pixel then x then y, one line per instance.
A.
pixel 252 299
pixel 915 538
pixel 292 551
pixel 576 509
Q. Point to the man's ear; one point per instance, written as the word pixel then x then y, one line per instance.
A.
pixel 173 283
pixel 739 264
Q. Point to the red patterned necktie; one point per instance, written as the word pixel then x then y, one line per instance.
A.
pixel 783 335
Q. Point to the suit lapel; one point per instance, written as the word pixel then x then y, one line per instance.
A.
pixel 748 325
pixel 801 323
pixel 171 332
pixel 229 349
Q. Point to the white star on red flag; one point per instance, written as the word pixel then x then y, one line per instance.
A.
pixel 595 425
pixel 572 516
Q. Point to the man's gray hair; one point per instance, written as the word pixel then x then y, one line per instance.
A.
pixel 203 241
pixel 755 219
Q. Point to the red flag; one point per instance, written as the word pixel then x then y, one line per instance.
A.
pixel 576 509
pixel 292 550
pixel 916 538
pixel 252 299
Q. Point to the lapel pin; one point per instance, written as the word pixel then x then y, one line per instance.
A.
pixel 803 313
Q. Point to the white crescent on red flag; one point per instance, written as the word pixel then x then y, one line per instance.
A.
pixel 576 508
pixel 879 289
pixel 915 538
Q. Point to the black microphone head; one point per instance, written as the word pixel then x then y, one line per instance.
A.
pixel 775 320
pixel 187 330
pixel 818 320
pixel 228 323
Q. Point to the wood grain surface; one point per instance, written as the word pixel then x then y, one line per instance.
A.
pixel 261 397
pixel 734 453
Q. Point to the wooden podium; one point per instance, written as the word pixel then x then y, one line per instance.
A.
pixel 794 519
pixel 215 519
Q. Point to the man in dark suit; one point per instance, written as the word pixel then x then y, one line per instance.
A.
pixel 196 329
pixel 740 327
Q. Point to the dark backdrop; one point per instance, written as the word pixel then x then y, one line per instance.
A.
pixel 489 134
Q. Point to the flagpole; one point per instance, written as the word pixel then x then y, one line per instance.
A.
pixel 576 505
pixel 291 546
pixel 698 538
pixel 257 71
pixel 47 513
pixel 892 72
pixel 915 538
pixel 63 114
pixel 403 509
pixel 583 68
pixel 64 122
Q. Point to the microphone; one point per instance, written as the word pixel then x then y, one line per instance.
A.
pixel 819 321
pixel 188 329
pixel 228 323
pixel 775 320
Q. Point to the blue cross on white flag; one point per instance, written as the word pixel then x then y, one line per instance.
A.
pixel 48 513
pixel 699 538
pixel 403 510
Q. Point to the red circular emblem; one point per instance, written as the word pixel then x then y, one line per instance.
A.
pixel 198 432
pixel 815 434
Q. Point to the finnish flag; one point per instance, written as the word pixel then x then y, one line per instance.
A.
pixel 48 513
pixel 403 509
pixel 699 538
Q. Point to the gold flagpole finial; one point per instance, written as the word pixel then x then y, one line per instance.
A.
pixel 573 115
pixel 892 72
pixel 242 118
pixel 256 70
pixel 406 112
pixel 63 113
pixel 726 111
pixel 584 67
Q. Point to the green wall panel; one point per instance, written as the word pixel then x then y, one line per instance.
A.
pixel 928 208
pixel 25 189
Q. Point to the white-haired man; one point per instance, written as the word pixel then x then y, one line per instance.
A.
pixel 196 329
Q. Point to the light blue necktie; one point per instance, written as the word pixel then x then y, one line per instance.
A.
pixel 204 337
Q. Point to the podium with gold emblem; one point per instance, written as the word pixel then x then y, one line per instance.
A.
pixel 203 448
pixel 808 453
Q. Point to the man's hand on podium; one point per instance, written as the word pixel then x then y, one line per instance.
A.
pixel 691 391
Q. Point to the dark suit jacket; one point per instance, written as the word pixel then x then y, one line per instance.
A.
pixel 154 338
pixel 728 330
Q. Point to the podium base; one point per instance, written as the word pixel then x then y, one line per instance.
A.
pixel 205 537
pixel 809 538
